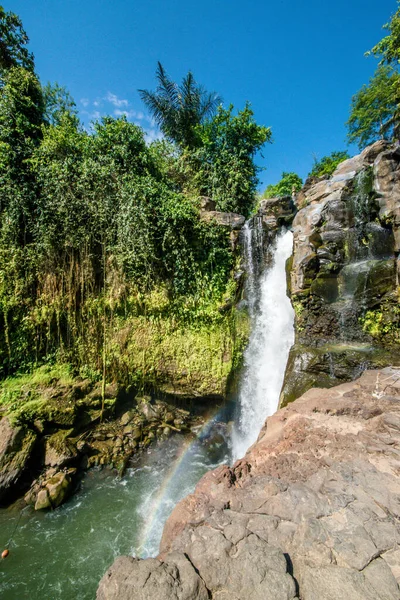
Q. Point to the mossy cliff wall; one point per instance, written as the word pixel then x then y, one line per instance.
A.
pixel 344 273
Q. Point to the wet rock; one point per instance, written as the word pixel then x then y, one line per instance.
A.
pixel 169 417
pixel 276 212
pixel 346 239
pixel 58 487
pixel 127 417
pixel 149 411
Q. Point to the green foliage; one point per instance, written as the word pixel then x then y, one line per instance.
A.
pixel 57 101
pixel 375 108
pixel 289 183
pixel 383 323
pixel 178 109
pixel 224 164
pixel 13 42
pixel 21 109
pixel 328 164
pixel 388 49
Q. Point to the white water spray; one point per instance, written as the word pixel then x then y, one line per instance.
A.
pixel 270 341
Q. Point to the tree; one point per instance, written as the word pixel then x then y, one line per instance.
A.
pixel 328 164
pixel 225 165
pixel 289 183
pixel 179 109
pixel 375 109
pixel 21 118
pixel 13 42
pixel 57 102
pixel 388 49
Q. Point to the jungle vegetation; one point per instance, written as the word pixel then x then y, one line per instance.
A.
pixel 103 256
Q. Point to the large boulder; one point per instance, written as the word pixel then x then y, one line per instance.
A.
pixel 59 450
pixel 311 512
pixel 224 219
pixel 16 445
pixel 131 579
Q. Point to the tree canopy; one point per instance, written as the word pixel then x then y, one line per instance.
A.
pixel 388 49
pixel 13 43
pixel 224 163
pixel 327 164
pixel 375 109
pixel 178 109
pixel 290 182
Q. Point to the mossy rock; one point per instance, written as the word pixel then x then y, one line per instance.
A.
pixel 368 281
pixel 326 287
pixel 16 447
pixel 59 450
pixel 330 365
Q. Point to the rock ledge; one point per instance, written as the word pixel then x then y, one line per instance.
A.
pixel 311 512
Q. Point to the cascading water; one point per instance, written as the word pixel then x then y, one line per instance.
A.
pixel 272 336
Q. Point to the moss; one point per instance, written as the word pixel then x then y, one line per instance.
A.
pixel 383 323
pixel 299 310
pixel 26 397
pixel 11 388
pixel 194 360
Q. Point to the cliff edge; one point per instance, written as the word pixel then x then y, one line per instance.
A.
pixel 311 512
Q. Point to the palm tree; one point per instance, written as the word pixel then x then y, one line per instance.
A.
pixel 178 109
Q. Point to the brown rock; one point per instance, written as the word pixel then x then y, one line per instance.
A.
pixel 316 500
pixel 42 500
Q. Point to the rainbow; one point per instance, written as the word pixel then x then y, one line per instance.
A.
pixel 154 518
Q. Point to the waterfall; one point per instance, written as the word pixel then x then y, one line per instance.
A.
pixel 272 335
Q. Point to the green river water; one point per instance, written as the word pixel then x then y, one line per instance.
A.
pixel 61 555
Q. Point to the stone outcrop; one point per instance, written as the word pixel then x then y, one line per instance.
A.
pixel 42 452
pixel 277 212
pixel 344 273
pixel 208 213
pixel 231 221
pixel 311 512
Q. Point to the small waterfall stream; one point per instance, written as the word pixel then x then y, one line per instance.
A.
pixel 271 337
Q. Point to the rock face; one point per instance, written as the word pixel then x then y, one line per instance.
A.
pixel 311 512
pixel 345 271
pixel 276 212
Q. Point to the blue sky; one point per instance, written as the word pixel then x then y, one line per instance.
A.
pixel 297 62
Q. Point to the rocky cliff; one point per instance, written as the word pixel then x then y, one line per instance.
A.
pixel 344 272
pixel 311 512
